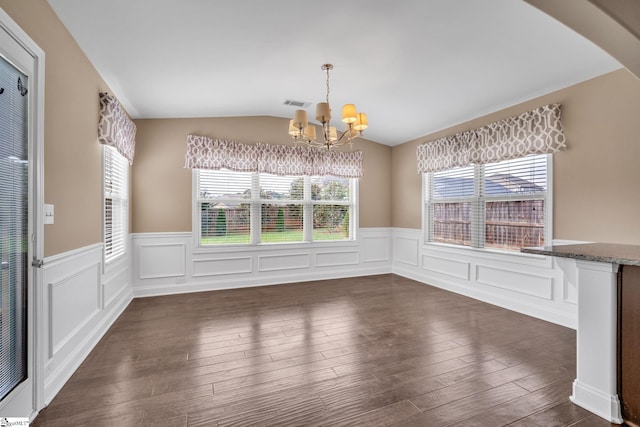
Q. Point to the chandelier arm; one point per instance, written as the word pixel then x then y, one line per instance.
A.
pixel 337 141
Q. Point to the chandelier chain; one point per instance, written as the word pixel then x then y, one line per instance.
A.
pixel 328 85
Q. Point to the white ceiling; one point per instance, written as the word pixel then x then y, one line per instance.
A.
pixel 414 66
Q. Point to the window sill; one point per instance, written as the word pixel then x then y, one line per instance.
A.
pixel 260 247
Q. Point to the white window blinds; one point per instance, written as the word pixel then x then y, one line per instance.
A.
pixel 116 197
pixel 251 207
pixel 498 205
pixel 14 226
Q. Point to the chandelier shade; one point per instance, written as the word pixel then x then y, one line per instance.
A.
pixel 305 133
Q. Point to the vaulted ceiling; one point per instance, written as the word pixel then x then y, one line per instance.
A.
pixel 414 66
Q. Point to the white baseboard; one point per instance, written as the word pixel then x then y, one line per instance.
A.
pixel 602 404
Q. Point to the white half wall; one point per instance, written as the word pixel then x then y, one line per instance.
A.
pixel 81 302
pixel 170 263
pixel 539 286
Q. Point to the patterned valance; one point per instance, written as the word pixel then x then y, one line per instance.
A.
pixel 207 153
pixel 535 132
pixel 115 128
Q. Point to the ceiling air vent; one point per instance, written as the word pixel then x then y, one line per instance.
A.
pixel 295 103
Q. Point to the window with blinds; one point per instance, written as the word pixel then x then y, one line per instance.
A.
pixel 331 208
pixel 116 203
pixel 499 205
pixel 244 208
pixel 14 227
pixel 452 195
pixel 224 200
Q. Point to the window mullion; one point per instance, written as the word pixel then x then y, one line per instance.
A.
pixel 478 208
pixel 428 182
pixel 256 210
pixel 307 211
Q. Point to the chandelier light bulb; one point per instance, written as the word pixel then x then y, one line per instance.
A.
pixel 349 113
pixel 362 123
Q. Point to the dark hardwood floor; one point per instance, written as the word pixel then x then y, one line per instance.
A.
pixel 370 351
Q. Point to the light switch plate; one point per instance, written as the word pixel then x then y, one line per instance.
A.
pixel 48 214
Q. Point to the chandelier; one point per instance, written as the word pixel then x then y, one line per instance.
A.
pixel 304 133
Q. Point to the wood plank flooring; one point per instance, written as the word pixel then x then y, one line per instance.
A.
pixel 368 351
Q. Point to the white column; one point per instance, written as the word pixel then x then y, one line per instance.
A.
pixel 595 386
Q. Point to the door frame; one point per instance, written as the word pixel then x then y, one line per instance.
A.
pixel 36 204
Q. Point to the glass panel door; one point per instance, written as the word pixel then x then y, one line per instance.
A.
pixel 14 227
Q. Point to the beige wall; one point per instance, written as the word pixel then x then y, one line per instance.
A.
pixel 596 180
pixel 72 156
pixel 161 196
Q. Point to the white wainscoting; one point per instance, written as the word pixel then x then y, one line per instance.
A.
pixel 81 302
pixel 169 263
pixel 543 287
pixel 539 286
pixel 82 299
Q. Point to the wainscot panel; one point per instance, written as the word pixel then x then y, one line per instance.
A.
pixel 336 258
pixel 450 267
pixel 162 260
pixel 225 267
pixel 377 244
pixel 73 301
pixel 515 281
pixel 405 247
pixel 284 261
pixel 534 285
pixel 83 300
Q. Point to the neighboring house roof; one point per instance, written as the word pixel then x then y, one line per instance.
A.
pixel 446 186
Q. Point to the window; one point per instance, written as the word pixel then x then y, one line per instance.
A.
pixel 252 208
pixel 116 197
pixel 499 205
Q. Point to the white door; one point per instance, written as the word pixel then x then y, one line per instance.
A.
pixel 20 221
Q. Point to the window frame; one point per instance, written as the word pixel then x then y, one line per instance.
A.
pixel 108 258
pixel 478 205
pixel 256 224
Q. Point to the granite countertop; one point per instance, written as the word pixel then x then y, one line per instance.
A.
pixel 602 252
